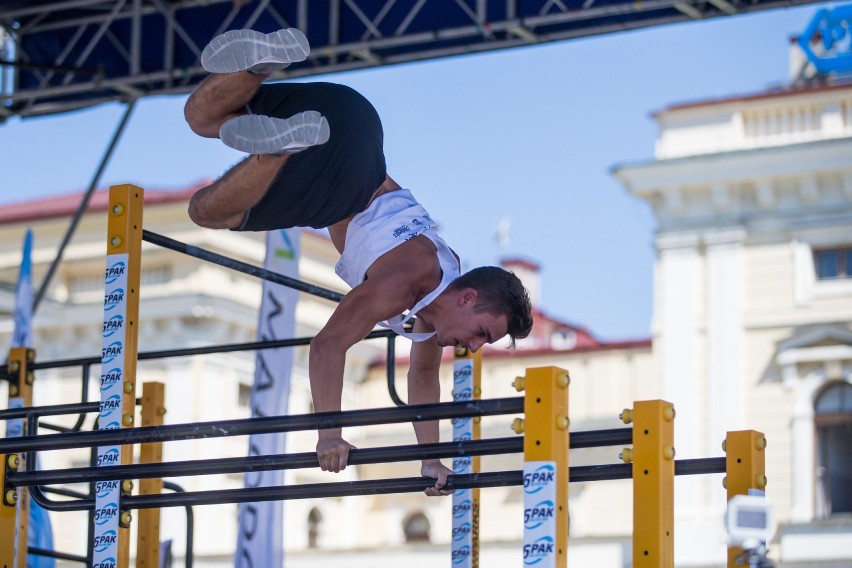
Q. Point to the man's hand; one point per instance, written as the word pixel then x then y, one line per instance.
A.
pixel 333 453
pixel 434 468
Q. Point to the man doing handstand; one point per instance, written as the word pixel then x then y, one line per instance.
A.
pixel 317 161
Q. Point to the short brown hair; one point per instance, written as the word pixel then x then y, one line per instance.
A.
pixel 500 293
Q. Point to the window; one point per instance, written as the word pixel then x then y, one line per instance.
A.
pixel 416 528
pixel 832 264
pixel 833 420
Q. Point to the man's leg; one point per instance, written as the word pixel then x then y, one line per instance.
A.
pixel 223 204
pixel 236 59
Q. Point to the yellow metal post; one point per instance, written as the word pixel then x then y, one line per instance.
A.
pixel 20 396
pixel 8 511
pixel 148 531
pixel 745 467
pixel 118 364
pixel 653 483
pixel 545 428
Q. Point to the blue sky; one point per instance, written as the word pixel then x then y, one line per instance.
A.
pixel 528 135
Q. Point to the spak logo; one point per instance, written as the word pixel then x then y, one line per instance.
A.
pixel 104 541
pixel 113 299
pixel 462 374
pixel 106 563
pixel 111 404
pixel 113 325
pixel 463 394
pixel 104 488
pixel 111 351
pixel 110 378
pixel 109 457
pixel 538 514
pixel 538 551
pixel 105 513
pixel 462 508
pixel 461 532
pixel 462 464
pixel 461 554
pixel 115 271
pixel 537 480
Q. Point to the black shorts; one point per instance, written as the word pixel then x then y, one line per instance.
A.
pixel 327 183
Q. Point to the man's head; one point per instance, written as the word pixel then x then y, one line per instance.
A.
pixel 491 303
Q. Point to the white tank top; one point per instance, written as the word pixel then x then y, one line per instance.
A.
pixel 390 220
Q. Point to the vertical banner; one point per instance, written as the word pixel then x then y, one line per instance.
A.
pixel 40 532
pixel 539 514
pixel 107 493
pixel 22 336
pixel 465 536
pixel 261 530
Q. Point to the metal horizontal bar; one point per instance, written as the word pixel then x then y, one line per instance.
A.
pixel 700 466
pixel 210 349
pixel 491 446
pixel 58 555
pixel 52 410
pixel 577 474
pixel 597 438
pixel 264 425
pixel 243 267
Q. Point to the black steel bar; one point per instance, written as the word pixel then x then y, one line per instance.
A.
pixel 489 446
pixel 210 349
pixel 362 456
pixel 264 425
pixel 58 555
pixel 391 363
pixel 577 474
pixel 597 438
pixel 65 492
pixel 93 184
pixel 700 466
pixel 52 410
pixel 243 267
pixel 190 523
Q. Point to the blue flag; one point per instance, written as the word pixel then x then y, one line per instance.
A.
pixel 39 533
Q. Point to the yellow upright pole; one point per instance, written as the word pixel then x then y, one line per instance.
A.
pixel 118 367
pixel 545 427
pixel 20 396
pixel 148 531
pixel 745 467
pixel 8 511
pixel 653 482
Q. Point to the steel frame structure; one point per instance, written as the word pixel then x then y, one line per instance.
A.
pixel 64 55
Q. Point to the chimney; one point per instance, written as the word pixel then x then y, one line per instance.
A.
pixel 530 274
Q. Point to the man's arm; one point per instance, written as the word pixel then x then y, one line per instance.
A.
pixel 375 300
pixel 424 388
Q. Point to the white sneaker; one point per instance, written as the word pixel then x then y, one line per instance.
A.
pixel 248 50
pixel 260 134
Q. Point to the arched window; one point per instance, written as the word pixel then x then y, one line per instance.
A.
pixel 416 528
pixel 314 522
pixel 833 421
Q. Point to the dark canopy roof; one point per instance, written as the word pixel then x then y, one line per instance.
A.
pixel 75 53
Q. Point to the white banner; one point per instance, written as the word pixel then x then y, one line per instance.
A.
pixel 261 533
pixel 463 504
pixel 107 493
pixel 539 514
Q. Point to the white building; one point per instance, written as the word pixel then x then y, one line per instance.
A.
pixel 753 302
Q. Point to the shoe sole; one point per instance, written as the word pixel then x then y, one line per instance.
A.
pixel 259 134
pixel 240 50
